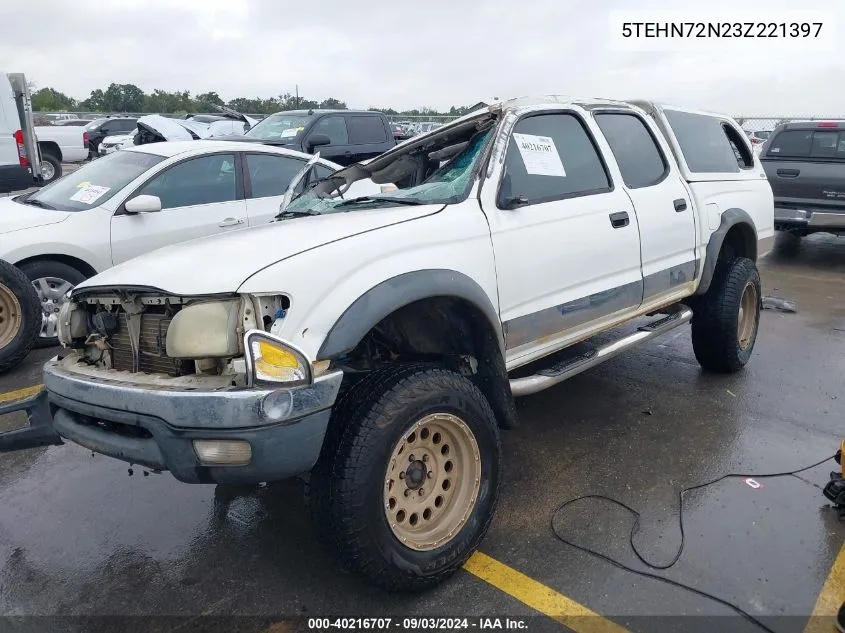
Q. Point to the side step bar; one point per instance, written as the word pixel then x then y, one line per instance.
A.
pixel 551 376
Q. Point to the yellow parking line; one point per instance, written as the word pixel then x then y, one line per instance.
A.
pixel 830 599
pixel 539 597
pixel 20 393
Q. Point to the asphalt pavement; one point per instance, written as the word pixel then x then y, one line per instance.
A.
pixel 80 536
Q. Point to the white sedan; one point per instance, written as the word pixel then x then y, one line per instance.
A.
pixel 142 198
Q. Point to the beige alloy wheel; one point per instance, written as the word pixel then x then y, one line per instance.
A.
pixel 432 481
pixel 747 321
pixel 10 316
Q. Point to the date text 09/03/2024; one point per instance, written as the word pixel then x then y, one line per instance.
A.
pixel 417 623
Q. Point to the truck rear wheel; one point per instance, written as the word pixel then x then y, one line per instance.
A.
pixel 51 168
pixel 20 316
pixel 727 317
pixel 408 480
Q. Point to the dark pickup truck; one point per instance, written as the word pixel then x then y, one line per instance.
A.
pixel 341 136
pixel 805 165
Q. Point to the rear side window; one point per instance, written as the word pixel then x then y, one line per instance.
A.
pixel 365 129
pixel 808 144
pixel 271 175
pixel 550 157
pixel 792 143
pixel 640 160
pixel 706 145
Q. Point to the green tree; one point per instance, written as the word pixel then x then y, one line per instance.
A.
pixel 123 98
pixel 51 100
pixel 248 106
pixel 208 99
pixel 332 104
pixel 95 101
pixel 166 102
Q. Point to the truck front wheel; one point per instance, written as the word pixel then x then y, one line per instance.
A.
pixel 726 319
pixel 409 477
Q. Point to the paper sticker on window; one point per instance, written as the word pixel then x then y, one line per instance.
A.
pixel 90 194
pixel 774 150
pixel 539 155
pixel 290 132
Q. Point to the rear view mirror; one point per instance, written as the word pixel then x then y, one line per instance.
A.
pixel 143 204
pixel 318 140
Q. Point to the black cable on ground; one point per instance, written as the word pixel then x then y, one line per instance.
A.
pixel 636 527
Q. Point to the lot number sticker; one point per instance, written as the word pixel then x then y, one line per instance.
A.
pixel 539 155
pixel 89 194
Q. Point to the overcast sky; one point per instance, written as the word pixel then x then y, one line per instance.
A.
pixel 384 53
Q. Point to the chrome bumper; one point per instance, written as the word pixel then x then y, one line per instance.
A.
pixel 232 407
pixel 156 426
pixel 810 218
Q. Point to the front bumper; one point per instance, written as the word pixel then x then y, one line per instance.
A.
pixel 809 219
pixel 155 426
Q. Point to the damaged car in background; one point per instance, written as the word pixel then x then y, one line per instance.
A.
pixel 377 341
pixel 155 128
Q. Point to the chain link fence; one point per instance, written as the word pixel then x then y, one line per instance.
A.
pixel 769 123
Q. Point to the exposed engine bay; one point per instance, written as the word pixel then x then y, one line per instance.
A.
pixel 152 333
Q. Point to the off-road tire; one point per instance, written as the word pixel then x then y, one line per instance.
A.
pixel 59 270
pixel 15 281
pixel 715 338
pixel 346 486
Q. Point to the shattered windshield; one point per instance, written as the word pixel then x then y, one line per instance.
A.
pixel 279 127
pixel 447 185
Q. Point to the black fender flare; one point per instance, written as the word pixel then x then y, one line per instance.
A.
pixel 390 295
pixel 730 218
pixel 394 293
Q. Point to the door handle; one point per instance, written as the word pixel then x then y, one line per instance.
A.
pixel 680 205
pixel 618 220
pixel 789 173
pixel 230 222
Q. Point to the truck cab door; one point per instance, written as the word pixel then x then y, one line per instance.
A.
pixel 334 127
pixel 664 207
pixel 565 235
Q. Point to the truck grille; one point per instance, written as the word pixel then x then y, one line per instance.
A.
pixel 153 358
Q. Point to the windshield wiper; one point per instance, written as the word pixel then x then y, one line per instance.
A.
pixel 37 203
pixel 294 214
pixel 408 201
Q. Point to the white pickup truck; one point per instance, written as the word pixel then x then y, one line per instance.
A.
pixel 378 342
pixel 60 144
